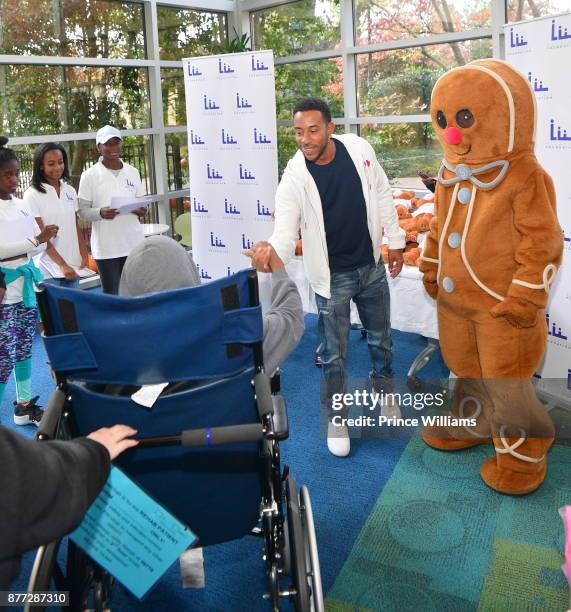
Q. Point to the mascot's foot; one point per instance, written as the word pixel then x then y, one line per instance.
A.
pixel 433 436
pixel 519 467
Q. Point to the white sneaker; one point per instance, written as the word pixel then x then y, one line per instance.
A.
pixel 338 441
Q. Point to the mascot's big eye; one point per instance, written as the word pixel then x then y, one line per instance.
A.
pixel 464 118
pixel 441 119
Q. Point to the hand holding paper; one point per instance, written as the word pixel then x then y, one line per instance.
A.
pixel 129 204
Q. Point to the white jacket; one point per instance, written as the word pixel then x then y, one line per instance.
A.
pixel 298 204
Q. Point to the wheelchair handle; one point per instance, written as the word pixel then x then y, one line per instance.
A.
pixel 211 436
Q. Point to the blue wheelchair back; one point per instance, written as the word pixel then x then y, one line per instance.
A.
pixel 209 445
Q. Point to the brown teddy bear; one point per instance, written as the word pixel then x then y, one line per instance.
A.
pixel 489 261
pixel 411 254
pixel 402 211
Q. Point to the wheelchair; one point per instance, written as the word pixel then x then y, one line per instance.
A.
pixel 212 436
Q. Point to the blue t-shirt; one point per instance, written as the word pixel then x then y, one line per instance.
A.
pixel 344 211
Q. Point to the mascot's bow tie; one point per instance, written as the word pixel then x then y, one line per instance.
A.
pixel 463 172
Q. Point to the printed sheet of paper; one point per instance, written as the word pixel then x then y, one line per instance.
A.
pixel 131 535
pixel 128 204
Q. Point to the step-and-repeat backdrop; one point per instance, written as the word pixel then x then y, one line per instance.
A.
pixel 541 50
pixel 233 168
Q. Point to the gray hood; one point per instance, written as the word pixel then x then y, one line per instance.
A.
pixel 157 264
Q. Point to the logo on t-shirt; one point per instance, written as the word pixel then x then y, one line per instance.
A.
pixel 130 184
pixel 69 197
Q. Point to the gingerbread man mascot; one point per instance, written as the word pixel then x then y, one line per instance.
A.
pixel 489 261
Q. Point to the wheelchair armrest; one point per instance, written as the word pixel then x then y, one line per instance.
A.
pixel 263 394
pixel 281 425
pixel 52 414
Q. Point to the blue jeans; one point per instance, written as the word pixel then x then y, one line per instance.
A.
pixel 62 282
pixel 368 288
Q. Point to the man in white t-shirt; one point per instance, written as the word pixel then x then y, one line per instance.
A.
pixel 113 235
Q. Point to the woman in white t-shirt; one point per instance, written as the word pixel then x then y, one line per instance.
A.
pixel 113 235
pixel 53 201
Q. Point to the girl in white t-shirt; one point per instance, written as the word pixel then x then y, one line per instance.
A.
pixel 20 238
pixel 53 201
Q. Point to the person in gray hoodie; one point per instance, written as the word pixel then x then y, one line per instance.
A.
pixel 161 264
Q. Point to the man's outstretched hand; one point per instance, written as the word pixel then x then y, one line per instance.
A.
pixel 264 257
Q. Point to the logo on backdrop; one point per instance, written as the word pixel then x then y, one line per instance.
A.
pixel 213 174
pixel 559 36
pixel 245 174
pixel 203 273
pixel 224 68
pixel 216 242
pixel 261 141
pixel 198 207
pixel 210 105
pixel 517 39
pixel 259 69
pixel 536 83
pixel 247 243
pixel 558 31
pixel 559 135
pixel 243 105
pixel 194 72
pixel 228 140
pixel 258 65
pixel 195 139
pixel 263 211
pixel 230 208
pixel 556 335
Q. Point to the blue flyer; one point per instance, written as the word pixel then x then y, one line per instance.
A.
pixel 130 535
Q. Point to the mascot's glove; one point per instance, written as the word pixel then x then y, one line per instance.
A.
pixel 430 284
pixel 517 312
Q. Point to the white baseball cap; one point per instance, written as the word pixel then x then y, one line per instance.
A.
pixel 106 133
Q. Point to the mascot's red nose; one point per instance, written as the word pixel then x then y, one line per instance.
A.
pixel 453 135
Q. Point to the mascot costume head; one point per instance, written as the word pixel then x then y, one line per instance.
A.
pixel 489 261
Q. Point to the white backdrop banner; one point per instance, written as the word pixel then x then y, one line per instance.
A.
pixel 233 167
pixel 541 50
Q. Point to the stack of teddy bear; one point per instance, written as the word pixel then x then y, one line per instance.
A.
pixel 414 218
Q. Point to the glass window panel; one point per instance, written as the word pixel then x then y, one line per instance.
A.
pixel 77 28
pixel 186 33
pixel 318 78
pixel 400 81
pixel 177 160
pixel 378 21
pixel 518 10
pixel 174 105
pixel 67 99
pixel 309 25
pixel 404 148
pixel 137 151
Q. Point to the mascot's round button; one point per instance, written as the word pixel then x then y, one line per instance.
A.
pixel 463 171
pixel 464 195
pixel 454 241
pixel 448 285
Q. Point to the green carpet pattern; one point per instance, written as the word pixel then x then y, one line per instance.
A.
pixel 439 539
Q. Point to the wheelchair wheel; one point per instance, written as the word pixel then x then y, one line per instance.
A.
pixel 89 585
pixel 301 594
pixel 42 572
pixel 311 551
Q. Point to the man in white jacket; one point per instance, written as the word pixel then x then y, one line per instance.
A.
pixel 335 190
